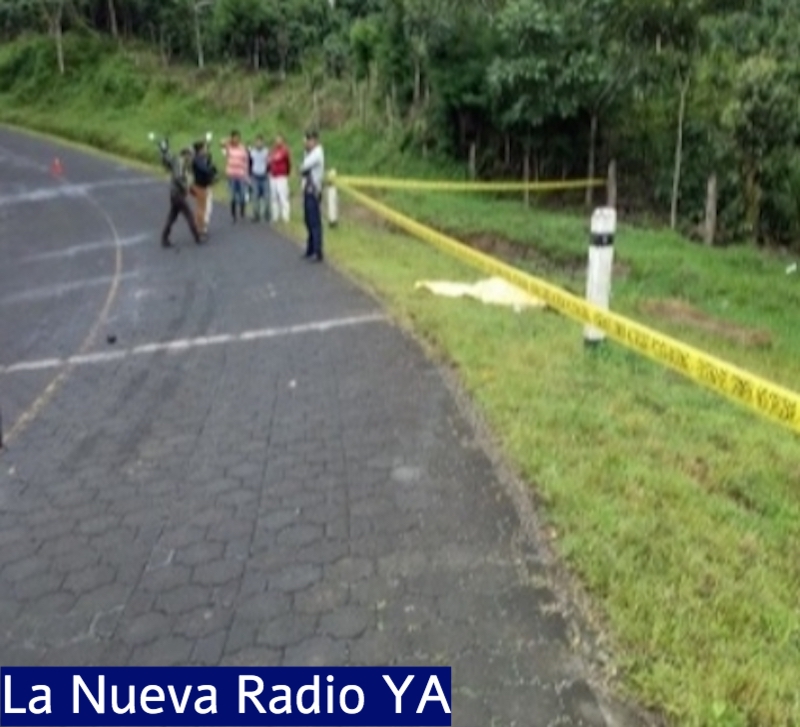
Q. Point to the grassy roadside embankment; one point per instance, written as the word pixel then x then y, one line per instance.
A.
pixel 679 512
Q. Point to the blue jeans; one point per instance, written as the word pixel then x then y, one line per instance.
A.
pixel 237 190
pixel 260 196
pixel 313 215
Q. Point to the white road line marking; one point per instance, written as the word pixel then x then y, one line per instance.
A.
pixel 99 357
pixel 55 291
pixel 47 363
pixel 75 250
pixel 44 194
pixel 186 344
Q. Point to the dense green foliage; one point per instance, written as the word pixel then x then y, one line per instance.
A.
pixel 675 90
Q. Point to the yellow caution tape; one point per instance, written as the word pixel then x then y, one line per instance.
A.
pixel 765 397
pixel 450 186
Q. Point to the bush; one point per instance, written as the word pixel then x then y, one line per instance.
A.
pixel 28 69
pixel 780 210
pixel 118 84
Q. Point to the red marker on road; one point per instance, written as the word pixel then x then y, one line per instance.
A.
pixel 55 168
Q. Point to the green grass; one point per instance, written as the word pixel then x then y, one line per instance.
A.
pixel 737 287
pixel 678 511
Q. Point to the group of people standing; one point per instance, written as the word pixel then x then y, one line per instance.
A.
pixel 260 175
pixel 256 175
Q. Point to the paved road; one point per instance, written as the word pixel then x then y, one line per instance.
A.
pixel 305 493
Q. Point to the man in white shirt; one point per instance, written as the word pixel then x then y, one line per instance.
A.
pixel 313 174
pixel 259 156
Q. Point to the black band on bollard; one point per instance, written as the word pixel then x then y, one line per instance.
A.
pixel 598 240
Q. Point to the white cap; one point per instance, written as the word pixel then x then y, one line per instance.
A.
pixel 604 221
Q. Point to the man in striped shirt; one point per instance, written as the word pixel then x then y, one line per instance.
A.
pixel 237 169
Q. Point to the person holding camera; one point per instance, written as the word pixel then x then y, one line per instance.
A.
pixel 205 174
pixel 313 174
pixel 178 167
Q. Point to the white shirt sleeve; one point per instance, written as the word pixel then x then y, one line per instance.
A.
pixel 311 160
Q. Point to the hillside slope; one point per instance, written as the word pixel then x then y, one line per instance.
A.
pixel 112 98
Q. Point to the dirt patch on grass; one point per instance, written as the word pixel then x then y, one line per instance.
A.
pixel 499 247
pixel 353 212
pixel 679 311
pixel 510 250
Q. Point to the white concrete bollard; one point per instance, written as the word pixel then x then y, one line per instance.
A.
pixel 333 200
pixel 601 262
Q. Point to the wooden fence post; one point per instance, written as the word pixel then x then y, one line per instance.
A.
pixel 611 185
pixel 473 161
pixel 710 228
pixel 526 174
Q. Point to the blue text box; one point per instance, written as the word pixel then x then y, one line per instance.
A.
pixel 225 696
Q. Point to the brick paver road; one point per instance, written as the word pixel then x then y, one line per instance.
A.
pixel 308 494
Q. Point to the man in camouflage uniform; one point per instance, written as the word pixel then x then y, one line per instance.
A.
pixel 178 167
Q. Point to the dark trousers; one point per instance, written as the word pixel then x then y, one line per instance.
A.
pixel 313 216
pixel 179 205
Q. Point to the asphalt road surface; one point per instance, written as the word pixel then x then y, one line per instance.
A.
pixel 222 454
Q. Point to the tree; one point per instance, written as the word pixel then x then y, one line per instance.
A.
pixel 423 20
pixel 395 56
pixel 53 12
pixel 674 31
pixel 364 39
pixel 197 6
pixel 236 25
pixel 460 105
pixel 551 73
pixel 609 64
pixel 764 119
